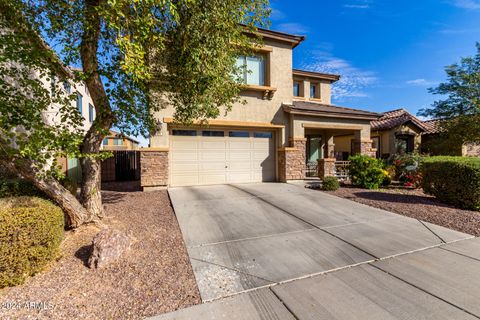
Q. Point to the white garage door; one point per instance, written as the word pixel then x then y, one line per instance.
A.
pixel 199 157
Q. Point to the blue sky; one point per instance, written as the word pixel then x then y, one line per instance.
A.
pixel 388 52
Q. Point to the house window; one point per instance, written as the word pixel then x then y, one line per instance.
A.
pixel 188 133
pixel 90 113
pixel 67 87
pixel 404 144
pixel 253 69
pixel 79 102
pixel 105 142
pixel 262 135
pixel 314 91
pixel 296 89
pixel 213 133
pixel 239 134
pixel 118 142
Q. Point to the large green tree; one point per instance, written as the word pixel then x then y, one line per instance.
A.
pixel 135 54
pixel 459 111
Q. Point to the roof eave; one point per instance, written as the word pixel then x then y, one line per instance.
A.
pixel 329 114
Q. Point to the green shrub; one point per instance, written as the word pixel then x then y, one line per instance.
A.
pixel 453 180
pixel 31 230
pixel 367 172
pixel 330 184
pixel 18 187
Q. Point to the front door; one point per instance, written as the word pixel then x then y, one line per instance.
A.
pixel 314 148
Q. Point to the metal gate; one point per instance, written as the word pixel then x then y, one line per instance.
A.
pixel 123 166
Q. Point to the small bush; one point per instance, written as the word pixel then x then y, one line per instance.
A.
pixel 330 184
pixel 31 230
pixel 453 180
pixel 367 172
pixel 18 187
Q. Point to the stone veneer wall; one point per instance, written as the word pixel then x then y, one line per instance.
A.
pixel 291 161
pixel 364 147
pixel 471 150
pixel 326 167
pixel 154 168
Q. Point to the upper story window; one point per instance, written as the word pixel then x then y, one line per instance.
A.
pixel 79 102
pixel 90 113
pixel 314 91
pixel 253 69
pixel 67 86
pixel 296 88
pixel 117 142
pixel 105 142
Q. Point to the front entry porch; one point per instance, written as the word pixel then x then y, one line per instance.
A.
pixel 314 129
pixel 323 159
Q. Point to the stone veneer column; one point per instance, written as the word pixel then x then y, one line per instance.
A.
pixel 154 169
pixel 326 167
pixel 364 147
pixel 291 160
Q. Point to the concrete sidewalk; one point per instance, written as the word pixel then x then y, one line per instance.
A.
pixel 283 251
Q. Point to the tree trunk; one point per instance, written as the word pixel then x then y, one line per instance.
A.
pixel 91 196
pixel 75 213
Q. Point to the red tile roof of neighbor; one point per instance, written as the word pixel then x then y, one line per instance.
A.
pixel 394 118
pixel 432 126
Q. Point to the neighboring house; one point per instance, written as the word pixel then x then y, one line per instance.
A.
pixel 117 141
pixel 287 122
pixel 83 102
pixel 434 143
pixel 395 132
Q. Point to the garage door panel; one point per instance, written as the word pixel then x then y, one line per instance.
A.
pixel 213 155
pixel 211 166
pixel 239 155
pixel 239 177
pixel 185 155
pixel 239 144
pixel 239 166
pixel 216 160
pixel 184 180
pixel 179 167
pixel 191 144
pixel 212 178
pixel 211 144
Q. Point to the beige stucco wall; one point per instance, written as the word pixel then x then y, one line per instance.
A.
pixel 256 109
pixel 300 122
pixel 343 143
pixel 52 115
pixel 387 138
pixel 324 86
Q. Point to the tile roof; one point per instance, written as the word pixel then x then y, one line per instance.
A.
pixel 330 110
pixel 394 118
pixel 432 126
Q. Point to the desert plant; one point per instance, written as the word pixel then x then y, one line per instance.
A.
pixel 453 180
pixel 330 184
pixel 31 230
pixel 367 172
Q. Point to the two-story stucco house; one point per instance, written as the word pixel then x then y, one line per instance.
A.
pixel 287 122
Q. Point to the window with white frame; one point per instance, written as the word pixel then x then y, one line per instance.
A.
pixel 79 102
pixel 253 68
pixel 91 114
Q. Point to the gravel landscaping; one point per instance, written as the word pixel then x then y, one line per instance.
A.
pixel 153 277
pixel 415 204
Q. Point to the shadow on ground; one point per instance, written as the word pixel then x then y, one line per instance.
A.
pixel 399 198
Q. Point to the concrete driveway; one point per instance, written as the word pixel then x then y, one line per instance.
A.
pixel 282 251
